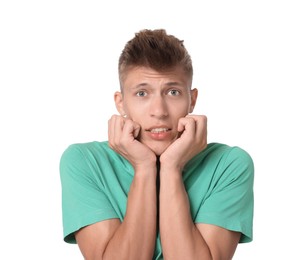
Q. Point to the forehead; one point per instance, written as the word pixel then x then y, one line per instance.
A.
pixel 146 76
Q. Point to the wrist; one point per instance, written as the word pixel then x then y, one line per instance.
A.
pixel 170 173
pixel 146 169
pixel 170 165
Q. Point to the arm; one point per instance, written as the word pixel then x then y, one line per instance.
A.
pixel 180 237
pixel 134 238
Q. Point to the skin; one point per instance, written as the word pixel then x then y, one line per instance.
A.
pixel 155 120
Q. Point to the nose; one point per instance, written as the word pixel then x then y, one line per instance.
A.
pixel 158 107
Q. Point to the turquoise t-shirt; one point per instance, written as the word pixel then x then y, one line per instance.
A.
pixel 96 180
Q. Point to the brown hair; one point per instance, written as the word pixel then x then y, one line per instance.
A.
pixel 154 49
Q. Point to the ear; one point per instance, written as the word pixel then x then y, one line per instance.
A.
pixel 119 102
pixel 194 94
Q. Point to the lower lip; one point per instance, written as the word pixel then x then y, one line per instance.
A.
pixel 160 135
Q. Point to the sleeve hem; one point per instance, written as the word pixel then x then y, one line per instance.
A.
pixel 241 227
pixel 69 236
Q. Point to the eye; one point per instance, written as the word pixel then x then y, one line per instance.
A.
pixel 174 92
pixel 141 93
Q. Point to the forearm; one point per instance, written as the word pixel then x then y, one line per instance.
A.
pixel 179 236
pixel 135 237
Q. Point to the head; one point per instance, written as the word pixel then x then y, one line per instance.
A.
pixel 154 49
pixel 155 74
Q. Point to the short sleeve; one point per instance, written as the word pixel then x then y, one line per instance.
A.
pixel 83 202
pixel 231 202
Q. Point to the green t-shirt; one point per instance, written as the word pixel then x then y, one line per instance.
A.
pixel 96 180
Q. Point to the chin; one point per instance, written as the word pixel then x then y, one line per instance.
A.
pixel 158 152
pixel 158 149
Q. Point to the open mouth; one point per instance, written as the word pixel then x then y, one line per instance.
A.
pixel 159 130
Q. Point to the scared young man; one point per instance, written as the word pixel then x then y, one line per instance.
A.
pixel 156 189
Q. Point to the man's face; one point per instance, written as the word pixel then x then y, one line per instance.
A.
pixel 156 101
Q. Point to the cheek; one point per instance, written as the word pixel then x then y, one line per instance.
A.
pixel 135 113
pixel 129 108
pixel 179 111
pixel 137 108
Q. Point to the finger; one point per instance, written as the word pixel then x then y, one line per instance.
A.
pixel 200 128
pixel 115 130
pixel 131 129
pixel 199 119
pixel 111 129
pixel 118 130
pixel 186 123
pixel 137 129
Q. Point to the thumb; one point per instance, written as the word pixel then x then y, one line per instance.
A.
pixel 136 129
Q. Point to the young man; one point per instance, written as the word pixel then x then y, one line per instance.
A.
pixel 156 189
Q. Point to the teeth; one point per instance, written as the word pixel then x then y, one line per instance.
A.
pixel 158 130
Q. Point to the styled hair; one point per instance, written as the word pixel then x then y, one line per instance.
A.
pixel 154 49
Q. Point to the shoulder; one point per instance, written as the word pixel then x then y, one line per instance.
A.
pixel 220 149
pixel 88 146
pixel 234 162
pixel 221 159
pixel 91 157
pixel 80 156
pixel 78 150
pixel 225 153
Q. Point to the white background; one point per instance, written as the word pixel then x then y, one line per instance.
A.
pixel 58 73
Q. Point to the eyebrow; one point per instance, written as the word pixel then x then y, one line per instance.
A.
pixel 174 83
pixel 169 84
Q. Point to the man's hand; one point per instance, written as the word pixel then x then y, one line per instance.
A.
pixel 123 135
pixel 192 140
